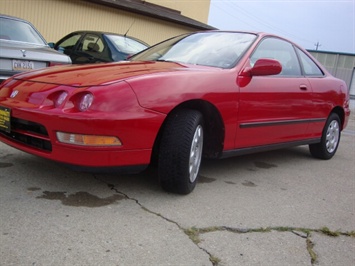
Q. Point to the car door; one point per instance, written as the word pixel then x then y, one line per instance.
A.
pixel 323 90
pixel 274 109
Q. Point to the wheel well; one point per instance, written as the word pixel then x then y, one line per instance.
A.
pixel 213 128
pixel 340 112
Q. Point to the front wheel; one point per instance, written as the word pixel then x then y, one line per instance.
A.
pixel 329 141
pixel 181 151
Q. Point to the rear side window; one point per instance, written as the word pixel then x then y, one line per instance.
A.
pixel 69 43
pixel 309 67
pixel 280 50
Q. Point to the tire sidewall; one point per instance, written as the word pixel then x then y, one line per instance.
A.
pixel 175 147
pixel 325 153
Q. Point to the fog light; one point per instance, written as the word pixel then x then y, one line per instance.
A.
pixel 87 140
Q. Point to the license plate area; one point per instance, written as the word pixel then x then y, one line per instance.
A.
pixel 21 65
pixel 5 119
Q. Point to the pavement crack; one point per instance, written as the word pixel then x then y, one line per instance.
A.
pixel 300 234
pixel 194 233
pixel 310 250
pixel 214 260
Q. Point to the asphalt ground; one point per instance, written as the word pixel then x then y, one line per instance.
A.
pixel 274 208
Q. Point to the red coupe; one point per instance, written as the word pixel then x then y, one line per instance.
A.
pixel 214 94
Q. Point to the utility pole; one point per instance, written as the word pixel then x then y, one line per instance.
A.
pixel 317 45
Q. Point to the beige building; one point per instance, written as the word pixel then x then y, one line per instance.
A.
pixel 151 21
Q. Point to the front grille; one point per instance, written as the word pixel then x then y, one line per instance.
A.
pixel 30 133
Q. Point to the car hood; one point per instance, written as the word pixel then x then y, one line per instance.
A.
pixel 103 74
pixel 33 52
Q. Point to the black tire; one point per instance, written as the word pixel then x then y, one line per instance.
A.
pixel 330 139
pixel 181 151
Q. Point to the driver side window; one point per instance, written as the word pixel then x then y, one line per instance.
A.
pixel 280 50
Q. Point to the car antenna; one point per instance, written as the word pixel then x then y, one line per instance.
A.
pixel 129 28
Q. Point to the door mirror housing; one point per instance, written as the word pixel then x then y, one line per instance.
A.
pixel 51 45
pixel 262 67
pixel 265 67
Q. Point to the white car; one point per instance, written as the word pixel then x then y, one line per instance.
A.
pixel 22 48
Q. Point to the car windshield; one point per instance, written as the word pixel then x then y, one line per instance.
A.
pixel 216 49
pixel 21 31
pixel 126 45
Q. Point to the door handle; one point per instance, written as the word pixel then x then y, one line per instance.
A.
pixel 303 87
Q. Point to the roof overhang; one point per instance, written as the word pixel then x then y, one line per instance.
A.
pixel 154 11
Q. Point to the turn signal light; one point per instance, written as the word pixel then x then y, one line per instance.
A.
pixel 87 140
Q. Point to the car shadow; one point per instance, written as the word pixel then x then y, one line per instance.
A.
pixel 46 175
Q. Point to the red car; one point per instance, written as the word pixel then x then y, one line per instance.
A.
pixel 214 94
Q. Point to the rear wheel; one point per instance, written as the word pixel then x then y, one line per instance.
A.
pixel 330 139
pixel 181 151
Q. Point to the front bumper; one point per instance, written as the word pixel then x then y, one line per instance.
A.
pixel 34 132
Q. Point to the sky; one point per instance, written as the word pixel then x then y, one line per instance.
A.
pixel 330 24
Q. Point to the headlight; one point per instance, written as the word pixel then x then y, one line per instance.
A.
pixel 60 98
pixel 87 140
pixel 85 101
pixel 53 100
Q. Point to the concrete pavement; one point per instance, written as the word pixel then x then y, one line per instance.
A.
pixel 275 208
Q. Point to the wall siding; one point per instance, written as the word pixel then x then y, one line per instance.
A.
pixel 339 65
pixel 56 18
pixel 197 9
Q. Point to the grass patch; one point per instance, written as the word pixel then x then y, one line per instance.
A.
pixel 326 231
pixel 215 261
pixel 210 229
pixel 194 234
pixel 311 252
pixel 351 233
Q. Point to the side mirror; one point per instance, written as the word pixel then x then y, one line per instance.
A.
pixel 266 67
pixel 51 45
pixel 262 67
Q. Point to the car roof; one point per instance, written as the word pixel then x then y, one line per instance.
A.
pixel 260 34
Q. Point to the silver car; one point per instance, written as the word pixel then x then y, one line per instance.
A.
pixel 22 48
